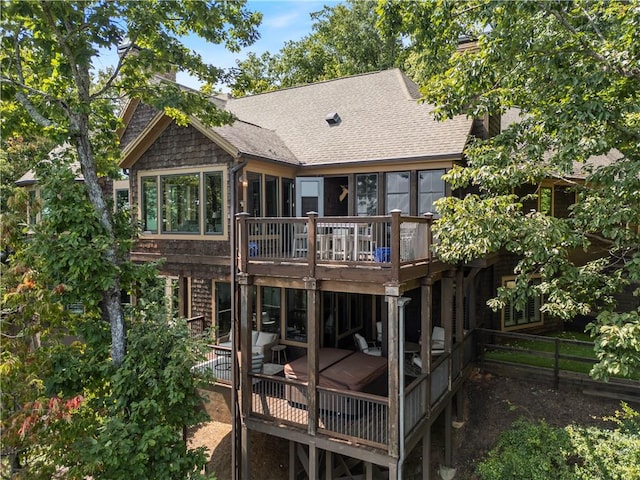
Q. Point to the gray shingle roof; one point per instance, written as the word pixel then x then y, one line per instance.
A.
pixel 253 140
pixel 381 119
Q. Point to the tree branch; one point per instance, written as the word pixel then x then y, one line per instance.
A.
pixel 116 72
pixel 588 50
pixel 33 111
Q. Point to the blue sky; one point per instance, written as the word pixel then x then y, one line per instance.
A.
pixel 282 20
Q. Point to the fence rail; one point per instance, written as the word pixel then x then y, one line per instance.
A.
pixel 554 362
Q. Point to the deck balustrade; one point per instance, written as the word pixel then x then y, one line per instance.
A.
pixel 391 241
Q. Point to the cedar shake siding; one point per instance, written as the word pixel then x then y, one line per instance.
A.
pixel 141 118
pixel 179 147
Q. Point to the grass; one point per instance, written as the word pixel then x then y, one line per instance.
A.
pixel 528 352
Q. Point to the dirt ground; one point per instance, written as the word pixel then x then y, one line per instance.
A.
pixel 493 404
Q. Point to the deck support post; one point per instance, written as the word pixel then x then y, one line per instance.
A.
pixel 244 357
pixel 426 327
pixel 393 343
pixel 292 460
pixel 313 345
pixel 460 318
pixel 328 465
pixel 426 454
pixel 313 460
pixel 446 300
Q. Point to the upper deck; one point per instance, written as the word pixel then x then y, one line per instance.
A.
pixel 378 251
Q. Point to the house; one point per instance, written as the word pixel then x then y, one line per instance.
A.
pixel 310 218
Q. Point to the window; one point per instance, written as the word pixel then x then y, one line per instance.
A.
pixel 398 192
pixel 223 308
pixel 214 202
pixel 296 315
pixel 271 196
pixel 254 194
pixel 288 209
pixel 270 313
pixel 150 204
pixel 512 318
pixel 367 195
pixel 553 200
pixel 122 198
pixel 178 199
pixel 430 189
pixel 176 296
pixel 180 203
pixel 545 200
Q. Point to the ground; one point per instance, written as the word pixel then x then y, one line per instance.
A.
pixel 493 404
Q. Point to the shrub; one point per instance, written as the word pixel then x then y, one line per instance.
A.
pixel 537 451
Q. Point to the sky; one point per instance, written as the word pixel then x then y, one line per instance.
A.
pixel 282 20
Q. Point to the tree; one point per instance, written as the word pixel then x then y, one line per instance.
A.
pixel 65 409
pixel 345 41
pixel 572 71
pixel 48 52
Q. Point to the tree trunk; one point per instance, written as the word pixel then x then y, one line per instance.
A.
pixel 111 307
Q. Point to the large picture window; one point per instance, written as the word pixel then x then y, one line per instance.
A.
pixel 180 204
pixel 513 318
pixel 171 204
pixel 430 189
pixel 398 188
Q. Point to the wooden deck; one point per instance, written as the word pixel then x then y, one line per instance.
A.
pixel 374 250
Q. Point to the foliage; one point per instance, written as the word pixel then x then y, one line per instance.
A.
pixel 17 156
pixel 539 451
pixel 567 73
pixel 345 41
pixel 48 50
pixel 66 408
pixel 529 450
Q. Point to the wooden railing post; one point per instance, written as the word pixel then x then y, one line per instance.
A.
pixel 243 242
pixel 395 245
pixel 429 217
pixel 312 244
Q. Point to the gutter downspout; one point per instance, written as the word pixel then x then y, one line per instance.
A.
pixel 235 465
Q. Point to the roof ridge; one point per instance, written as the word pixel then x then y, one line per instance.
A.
pixel 319 82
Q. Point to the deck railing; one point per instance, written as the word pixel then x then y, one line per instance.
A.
pixel 217 365
pixel 381 241
pixel 349 415
pixel 352 415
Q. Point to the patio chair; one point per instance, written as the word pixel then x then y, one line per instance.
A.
pixel 365 347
